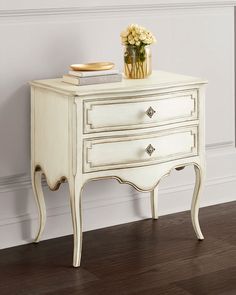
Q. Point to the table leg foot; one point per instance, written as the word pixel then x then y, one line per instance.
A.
pixel 38 192
pixel 154 202
pixel 76 212
pixel 195 202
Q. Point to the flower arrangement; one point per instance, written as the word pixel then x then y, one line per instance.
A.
pixel 137 56
pixel 137 35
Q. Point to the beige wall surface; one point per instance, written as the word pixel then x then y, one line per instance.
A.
pixel 39 39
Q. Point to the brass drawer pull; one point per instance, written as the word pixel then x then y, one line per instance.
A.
pixel 150 112
pixel 150 150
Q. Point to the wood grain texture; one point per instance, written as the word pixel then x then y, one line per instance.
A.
pixel 144 257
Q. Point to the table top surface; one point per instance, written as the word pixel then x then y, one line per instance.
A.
pixel 157 80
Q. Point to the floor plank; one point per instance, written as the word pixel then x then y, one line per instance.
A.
pixel 144 257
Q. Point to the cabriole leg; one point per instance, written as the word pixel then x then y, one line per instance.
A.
pixel 195 201
pixel 38 192
pixel 76 212
pixel 154 202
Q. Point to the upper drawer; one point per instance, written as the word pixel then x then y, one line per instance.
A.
pixel 144 112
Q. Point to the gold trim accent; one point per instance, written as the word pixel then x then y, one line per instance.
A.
pixel 56 186
pixel 120 180
pixel 180 168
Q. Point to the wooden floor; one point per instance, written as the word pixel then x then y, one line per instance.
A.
pixel 144 257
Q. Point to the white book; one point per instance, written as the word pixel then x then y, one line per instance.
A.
pixel 93 73
pixel 91 80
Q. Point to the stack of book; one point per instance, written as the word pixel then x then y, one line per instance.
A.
pixel 92 77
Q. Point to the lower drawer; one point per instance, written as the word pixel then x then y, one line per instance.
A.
pixel 139 150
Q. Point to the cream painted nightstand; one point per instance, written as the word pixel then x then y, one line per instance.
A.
pixel 135 131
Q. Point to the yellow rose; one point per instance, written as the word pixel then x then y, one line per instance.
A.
pixel 137 35
pixel 124 33
pixel 142 37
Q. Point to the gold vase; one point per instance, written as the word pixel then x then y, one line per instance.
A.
pixel 137 61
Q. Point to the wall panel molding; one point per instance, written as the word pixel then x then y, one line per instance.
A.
pixel 14 182
pixel 110 9
pixel 91 205
pixel 220 146
pixel 23 181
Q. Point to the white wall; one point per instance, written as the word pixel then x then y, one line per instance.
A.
pixel 39 39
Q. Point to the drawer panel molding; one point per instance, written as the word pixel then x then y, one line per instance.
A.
pixel 140 150
pixel 144 112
